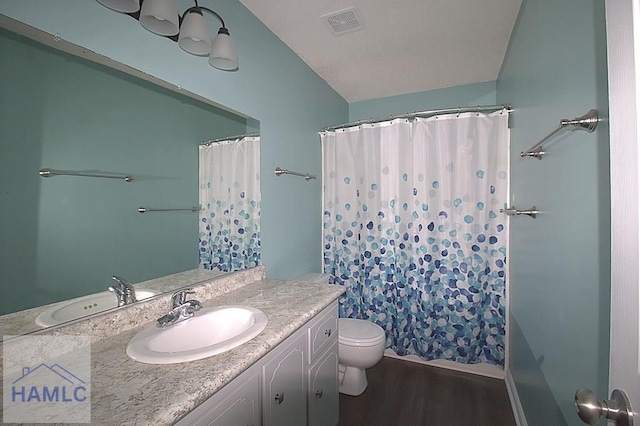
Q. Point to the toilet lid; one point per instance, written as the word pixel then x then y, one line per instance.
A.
pixel 359 332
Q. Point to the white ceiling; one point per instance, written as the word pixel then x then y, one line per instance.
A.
pixel 405 46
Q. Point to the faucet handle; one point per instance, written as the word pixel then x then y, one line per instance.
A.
pixel 180 297
pixel 127 289
pixel 122 282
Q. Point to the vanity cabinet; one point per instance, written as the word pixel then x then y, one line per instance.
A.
pixel 294 384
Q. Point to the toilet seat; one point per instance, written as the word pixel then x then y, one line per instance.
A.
pixel 356 332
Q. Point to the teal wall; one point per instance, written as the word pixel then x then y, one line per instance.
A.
pixel 273 85
pixel 560 262
pixel 555 68
pixel 467 95
pixel 65 237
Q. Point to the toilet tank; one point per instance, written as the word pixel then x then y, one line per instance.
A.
pixel 313 277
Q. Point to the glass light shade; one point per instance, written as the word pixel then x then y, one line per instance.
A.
pixel 124 6
pixel 160 17
pixel 195 36
pixel 223 52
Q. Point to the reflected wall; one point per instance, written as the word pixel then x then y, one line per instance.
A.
pixel 65 236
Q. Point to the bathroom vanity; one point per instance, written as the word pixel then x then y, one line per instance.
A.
pixel 294 384
pixel 285 375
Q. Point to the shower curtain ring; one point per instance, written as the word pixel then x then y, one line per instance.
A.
pixel 459 110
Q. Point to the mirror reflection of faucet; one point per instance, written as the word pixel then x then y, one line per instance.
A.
pixel 124 291
pixel 181 308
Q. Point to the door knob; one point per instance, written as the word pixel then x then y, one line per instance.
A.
pixel 590 409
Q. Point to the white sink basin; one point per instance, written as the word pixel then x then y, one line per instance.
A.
pixel 211 331
pixel 83 306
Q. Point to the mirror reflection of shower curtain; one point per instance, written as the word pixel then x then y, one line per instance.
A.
pixel 229 225
pixel 412 228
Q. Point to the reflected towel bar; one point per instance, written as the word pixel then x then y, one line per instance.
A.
pixel 512 211
pixel 183 209
pixel 587 122
pixel 51 172
pixel 280 171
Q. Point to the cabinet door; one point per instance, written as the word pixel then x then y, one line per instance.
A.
pixel 323 390
pixel 237 404
pixel 243 411
pixel 285 396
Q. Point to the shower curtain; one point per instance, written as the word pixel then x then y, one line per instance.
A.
pixel 229 225
pixel 412 229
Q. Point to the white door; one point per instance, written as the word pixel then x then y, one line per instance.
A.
pixel 623 47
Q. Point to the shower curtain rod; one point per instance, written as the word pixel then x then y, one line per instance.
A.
pixel 424 114
pixel 228 138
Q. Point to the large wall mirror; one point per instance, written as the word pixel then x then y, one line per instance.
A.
pixel 65 236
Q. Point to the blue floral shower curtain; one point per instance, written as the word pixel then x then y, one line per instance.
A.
pixel 229 225
pixel 412 228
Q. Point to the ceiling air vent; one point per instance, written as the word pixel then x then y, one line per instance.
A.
pixel 344 21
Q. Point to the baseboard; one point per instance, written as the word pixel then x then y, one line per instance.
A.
pixel 516 406
pixel 486 370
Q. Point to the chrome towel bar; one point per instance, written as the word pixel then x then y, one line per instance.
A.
pixel 512 211
pixel 51 172
pixel 280 172
pixel 587 122
pixel 181 209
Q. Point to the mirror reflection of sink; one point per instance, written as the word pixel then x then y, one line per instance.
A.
pixel 211 331
pixel 83 306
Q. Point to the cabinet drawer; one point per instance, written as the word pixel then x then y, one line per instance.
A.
pixel 323 331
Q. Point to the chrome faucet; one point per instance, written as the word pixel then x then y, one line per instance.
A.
pixel 124 291
pixel 181 308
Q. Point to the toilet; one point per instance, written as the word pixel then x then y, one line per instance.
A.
pixel 361 345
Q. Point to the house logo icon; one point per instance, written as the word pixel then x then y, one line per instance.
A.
pixel 46 379
pixel 48 384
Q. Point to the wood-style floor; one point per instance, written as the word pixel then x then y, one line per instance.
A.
pixel 403 393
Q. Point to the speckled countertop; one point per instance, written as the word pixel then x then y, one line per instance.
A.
pixel 126 392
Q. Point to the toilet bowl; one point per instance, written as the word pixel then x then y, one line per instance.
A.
pixel 361 345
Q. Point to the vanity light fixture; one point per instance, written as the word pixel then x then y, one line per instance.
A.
pixel 190 29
